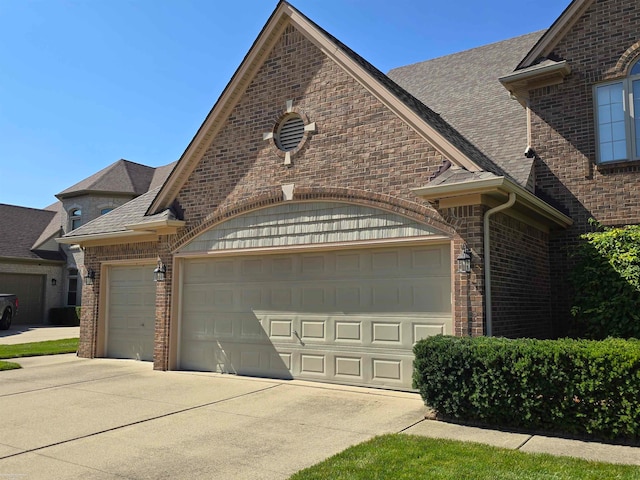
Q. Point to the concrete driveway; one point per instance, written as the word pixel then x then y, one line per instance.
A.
pixel 66 417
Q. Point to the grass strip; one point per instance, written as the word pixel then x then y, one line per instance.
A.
pixel 402 456
pixel 35 349
pixel 8 365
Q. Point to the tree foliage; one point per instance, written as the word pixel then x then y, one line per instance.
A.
pixel 606 282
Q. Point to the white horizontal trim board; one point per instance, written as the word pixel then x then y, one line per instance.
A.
pixel 307 223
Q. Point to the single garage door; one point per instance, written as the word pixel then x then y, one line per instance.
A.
pixel 131 312
pixel 30 292
pixel 347 316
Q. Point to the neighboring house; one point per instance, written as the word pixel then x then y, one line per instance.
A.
pixel 31 262
pixel 34 266
pixel 321 219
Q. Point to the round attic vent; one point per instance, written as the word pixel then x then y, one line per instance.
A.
pixel 290 132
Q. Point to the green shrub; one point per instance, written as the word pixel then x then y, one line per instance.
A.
pixel 606 282
pixel 65 316
pixel 581 387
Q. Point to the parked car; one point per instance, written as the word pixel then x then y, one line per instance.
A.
pixel 9 309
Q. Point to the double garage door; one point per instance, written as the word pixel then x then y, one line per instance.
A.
pixel 347 316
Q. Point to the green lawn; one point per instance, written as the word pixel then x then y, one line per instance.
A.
pixel 51 347
pixel 402 456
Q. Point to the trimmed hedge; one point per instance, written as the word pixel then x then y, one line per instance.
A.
pixel 65 316
pixel 580 387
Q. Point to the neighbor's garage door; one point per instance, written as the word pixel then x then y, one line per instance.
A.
pixel 349 316
pixel 131 312
pixel 30 292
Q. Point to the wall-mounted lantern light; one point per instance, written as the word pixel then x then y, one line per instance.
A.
pixel 464 260
pixel 54 282
pixel 89 277
pixel 159 273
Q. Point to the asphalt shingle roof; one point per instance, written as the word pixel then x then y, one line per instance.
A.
pixel 422 108
pixel 131 213
pixel 464 89
pixel 21 229
pixel 122 176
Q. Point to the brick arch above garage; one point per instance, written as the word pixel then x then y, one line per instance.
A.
pixel 423 217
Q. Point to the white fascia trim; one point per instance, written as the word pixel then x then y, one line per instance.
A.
pixel 552 36
pixel 462 188
pixel 80 239
pixel 562 68
pixel 150 227
pixel 363 77
pixel 496 184
pixel 213 121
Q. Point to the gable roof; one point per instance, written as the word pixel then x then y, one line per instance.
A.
pixel 22 227
pixel 54 229
pixel 128 219
pixel 544 47
pixel 460 85
pixel 121 177
pixel 418 116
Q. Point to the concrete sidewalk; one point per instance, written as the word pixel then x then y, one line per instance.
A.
pixel 599 452
pixel 36 333
pixel 121 417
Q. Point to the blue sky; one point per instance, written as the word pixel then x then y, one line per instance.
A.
pixel 84 83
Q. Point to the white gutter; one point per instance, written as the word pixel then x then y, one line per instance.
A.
pixel 487 260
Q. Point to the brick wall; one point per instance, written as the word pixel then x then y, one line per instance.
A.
pixel 358 144
pixel 598 48
pixel 519 279
pixel 468 299
pixel 360 153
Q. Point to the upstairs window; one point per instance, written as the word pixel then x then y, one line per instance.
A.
pixel 105 210
pixel 75 216
pixel 618 118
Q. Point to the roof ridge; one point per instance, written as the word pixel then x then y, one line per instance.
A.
pixel 44 210
pixel 472 49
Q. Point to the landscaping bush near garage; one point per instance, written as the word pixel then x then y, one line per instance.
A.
pixel 579 387
pixel 606 282
pixel 65 316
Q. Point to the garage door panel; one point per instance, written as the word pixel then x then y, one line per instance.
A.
pixel 131 312
pixel 313 330
pixel 421 330
pixel 347 317
pixel 30 292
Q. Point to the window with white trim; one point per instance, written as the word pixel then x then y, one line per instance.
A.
pixel 618 118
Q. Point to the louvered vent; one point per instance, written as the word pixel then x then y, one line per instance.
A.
pixel 290 133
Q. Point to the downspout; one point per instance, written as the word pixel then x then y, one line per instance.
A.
pixel 487 260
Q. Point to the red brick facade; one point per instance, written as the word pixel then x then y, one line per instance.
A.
pixel 361 152
pixel 600 47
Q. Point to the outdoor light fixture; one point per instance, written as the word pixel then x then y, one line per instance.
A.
pixel 159 272
pixel 89 277
pixel 53 282
pixel 464 260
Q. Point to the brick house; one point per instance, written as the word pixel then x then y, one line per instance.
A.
pixel 317 224
pixel 33 265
